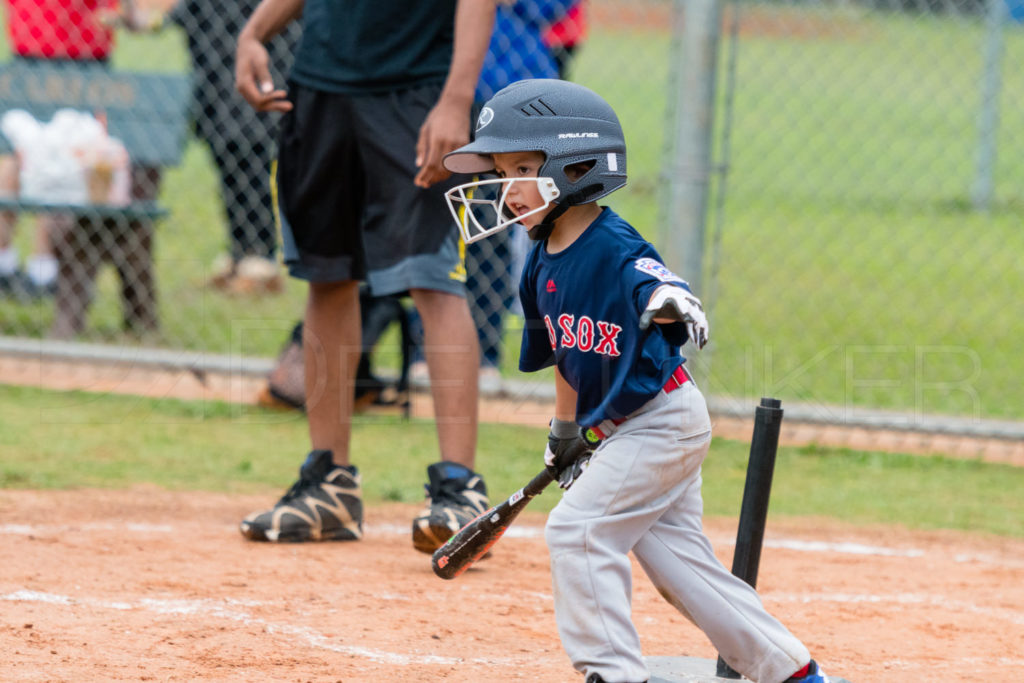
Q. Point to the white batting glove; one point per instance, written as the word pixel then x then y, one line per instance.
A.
pixel 671 303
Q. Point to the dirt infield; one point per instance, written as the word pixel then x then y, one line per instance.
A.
pixel 146 585
pixel 152 585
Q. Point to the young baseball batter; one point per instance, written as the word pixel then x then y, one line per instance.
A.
pixel 591 289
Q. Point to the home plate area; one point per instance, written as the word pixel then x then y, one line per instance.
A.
pixel 692 670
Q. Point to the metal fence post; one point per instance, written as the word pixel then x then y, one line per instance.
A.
pixel 696 32
pixel 988 113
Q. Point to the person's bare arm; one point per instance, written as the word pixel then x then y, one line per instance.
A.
pixel 252 61
pixel 447 125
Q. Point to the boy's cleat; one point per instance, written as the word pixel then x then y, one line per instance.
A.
pixel 455 496
pixel 325 504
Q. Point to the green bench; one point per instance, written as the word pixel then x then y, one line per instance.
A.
pixel 148 113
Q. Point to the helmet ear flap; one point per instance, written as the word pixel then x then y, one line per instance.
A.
pixel 585 194
pixel 576 171
pixel 583 178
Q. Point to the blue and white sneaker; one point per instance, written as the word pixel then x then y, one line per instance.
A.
pixel 814 675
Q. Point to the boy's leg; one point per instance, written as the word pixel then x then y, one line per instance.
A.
pixel 642 493
pixel 635 475
pixel 679 560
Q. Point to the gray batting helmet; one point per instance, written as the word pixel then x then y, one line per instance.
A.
pixel 569 123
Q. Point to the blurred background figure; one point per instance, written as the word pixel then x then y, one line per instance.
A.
pixel 241 140
pixel 517 50
pixel 563 36
pixel 75 30
pixel 285 387
pixel 39 276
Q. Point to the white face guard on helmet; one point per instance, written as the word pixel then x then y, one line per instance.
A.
pixel 480 207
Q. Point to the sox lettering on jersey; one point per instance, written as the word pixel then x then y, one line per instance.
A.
pixel 580 334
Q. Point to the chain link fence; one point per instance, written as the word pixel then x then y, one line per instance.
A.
pixel 864 243
pixel 840 181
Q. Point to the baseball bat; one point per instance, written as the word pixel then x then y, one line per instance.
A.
pixel 472 541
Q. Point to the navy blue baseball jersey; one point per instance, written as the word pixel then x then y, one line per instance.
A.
pixel 582 308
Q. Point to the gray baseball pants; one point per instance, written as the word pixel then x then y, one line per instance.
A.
pixel 642 493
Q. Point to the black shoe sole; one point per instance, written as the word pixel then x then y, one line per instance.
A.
pixel 430 535
pixel 254 533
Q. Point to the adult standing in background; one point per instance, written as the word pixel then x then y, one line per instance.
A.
pixel 241 139
pixel 516 51
pixel 379 92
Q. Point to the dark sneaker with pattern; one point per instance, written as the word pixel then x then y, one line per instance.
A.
pixel 325 504
pixel 455 496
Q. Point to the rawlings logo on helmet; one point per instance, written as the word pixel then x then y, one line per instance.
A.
pixel 486 116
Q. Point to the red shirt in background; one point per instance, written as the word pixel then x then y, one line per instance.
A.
pixel 569 30
pixel 59 29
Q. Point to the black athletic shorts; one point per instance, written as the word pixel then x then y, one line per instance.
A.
pixel 349 208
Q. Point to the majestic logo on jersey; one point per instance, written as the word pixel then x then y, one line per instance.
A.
pixel 658 270
pixel 586 334
pixel 551 286
pixel 486 116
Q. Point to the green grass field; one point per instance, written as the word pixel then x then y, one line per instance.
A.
pixel 845 265
pixel 849 268
pixel 53 440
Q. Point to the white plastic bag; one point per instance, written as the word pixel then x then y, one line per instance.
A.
pixel 68 160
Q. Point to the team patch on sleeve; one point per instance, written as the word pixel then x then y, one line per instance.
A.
pixel 657 270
